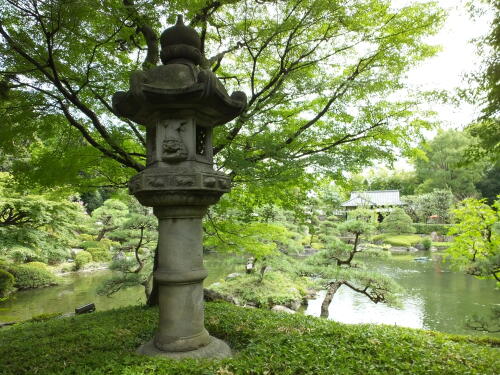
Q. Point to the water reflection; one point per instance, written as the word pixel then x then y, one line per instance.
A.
pixel 350 307
pixel 81 288
pixel 435 298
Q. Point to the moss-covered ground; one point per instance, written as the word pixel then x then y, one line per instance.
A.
pixel 265 343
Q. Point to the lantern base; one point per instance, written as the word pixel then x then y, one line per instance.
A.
pixel 215 349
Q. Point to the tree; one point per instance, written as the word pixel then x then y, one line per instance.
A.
pixel 397 222
pixel 442 167
pixel 109 216
pixel 336 267
pixel 484 87
pixel 318 74
pixel 37 226
pixel 476 246
pixel 489 185
pixel 383 179
pixel 476 250
pixel 430 207
pixel 137 233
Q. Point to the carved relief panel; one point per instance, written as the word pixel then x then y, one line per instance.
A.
pixel 173 141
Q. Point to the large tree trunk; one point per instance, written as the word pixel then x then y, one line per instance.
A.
pixel 329 296
pixel 152 299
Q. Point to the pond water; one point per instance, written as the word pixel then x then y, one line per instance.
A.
pixel 80 288
pixel 435 297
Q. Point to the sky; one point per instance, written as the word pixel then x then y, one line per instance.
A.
pixel 458 57
pixel 447 69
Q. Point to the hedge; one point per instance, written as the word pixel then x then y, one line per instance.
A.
pixel 423 228
pixel 99 254
pixel 28 277
pixel 405 240
pixel 264 342
pixel 6 282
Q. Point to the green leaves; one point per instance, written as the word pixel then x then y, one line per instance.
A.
pixel 318 74
pixel 476 245
pixel 37 226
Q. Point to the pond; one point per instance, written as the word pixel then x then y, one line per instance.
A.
pixel 435 297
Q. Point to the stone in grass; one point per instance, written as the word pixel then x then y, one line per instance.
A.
pixel 284 309
pixel 294 305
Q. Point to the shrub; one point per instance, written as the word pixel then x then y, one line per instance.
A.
pixel 103 244
pixel 6 283
pixel 99 254
pixel 276 288
pixel 423 228
pixel 398 240
pixel 82 258
pixel 20 254
pixel 27 277
pixel 427 243
pixel 86 237
pixel 397 222
pixel 88 244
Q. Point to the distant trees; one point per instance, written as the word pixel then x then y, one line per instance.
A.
pixel 431 207
pixel 384 179
pixel 443 167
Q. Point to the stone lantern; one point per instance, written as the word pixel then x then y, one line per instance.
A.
pixel 179 103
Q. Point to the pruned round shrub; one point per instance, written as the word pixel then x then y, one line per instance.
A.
pixel 427 243
pixel 6 283
pixel 82 258
pixel 86 237
pixel 88 244
pixel 27 277
pixel 99 254
pixel 397 222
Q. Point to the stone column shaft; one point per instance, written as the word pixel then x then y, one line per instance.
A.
pixel 180 277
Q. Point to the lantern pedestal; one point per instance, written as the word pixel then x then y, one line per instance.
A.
pixel 215 349
pixel 180 103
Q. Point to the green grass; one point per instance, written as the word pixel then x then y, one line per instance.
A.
pixel 264 342
pixel 442 244
pixel 398 239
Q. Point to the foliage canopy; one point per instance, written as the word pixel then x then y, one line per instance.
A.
pixel 319 75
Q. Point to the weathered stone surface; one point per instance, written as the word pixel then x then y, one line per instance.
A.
pixel 211 295
pixel 179 103
pixel 214 349
pixel 294 305
pixel 283 309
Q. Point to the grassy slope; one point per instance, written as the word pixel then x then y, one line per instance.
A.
pixel 267 343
